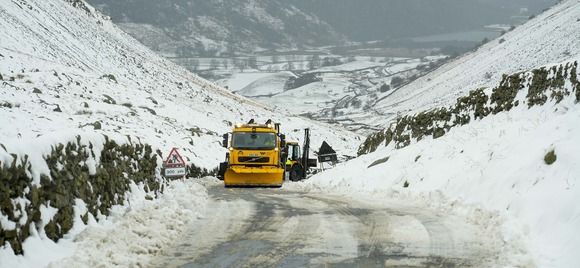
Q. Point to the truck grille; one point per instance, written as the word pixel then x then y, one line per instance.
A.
pixel 253 159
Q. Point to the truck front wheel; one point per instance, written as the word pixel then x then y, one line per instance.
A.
pixel 296 173
pixel 222 170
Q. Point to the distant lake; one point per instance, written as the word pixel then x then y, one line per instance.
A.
pixel 469 36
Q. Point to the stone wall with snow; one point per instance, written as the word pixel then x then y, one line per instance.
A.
pixel 535 87
pixel 52 186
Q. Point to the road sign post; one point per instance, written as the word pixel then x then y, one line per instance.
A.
pixel 174 166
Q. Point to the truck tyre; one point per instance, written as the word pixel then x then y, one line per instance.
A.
pixel 222 170
pixel 296 173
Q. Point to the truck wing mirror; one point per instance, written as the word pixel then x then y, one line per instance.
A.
pixel 282 141
pixel 225 140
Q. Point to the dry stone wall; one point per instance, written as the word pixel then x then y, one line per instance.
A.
pixel 543 84
pixel 100 177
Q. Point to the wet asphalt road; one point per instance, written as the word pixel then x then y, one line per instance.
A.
pixel 266 227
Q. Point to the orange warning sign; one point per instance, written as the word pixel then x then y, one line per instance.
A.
pixel 174 159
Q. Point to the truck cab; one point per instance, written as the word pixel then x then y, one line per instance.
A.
pixel 254 156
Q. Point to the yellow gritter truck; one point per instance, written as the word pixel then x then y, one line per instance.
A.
pixel 254 156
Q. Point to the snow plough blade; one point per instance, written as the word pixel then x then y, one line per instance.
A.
pixel 254 176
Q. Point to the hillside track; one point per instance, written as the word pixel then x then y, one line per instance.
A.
pixel 261 227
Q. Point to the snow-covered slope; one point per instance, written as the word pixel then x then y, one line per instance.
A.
pixel 67 71
pixel 551 37
pixel 65 68
pixel 495 164
pixel 492 164
pixel 267 85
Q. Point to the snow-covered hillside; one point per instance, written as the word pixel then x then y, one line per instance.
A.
pixel 549 38
pixel 496 163
pixel 66 69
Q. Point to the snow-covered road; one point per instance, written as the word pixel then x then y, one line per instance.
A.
pixel 290 228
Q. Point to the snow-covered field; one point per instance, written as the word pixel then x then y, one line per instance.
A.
pixel 337 84
pixel 491 171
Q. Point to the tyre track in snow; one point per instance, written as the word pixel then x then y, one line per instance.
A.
pixel 375 248
pixel 256 227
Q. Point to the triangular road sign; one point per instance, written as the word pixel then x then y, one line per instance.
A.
pixel 174 159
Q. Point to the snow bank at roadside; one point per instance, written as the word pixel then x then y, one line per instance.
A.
pixel 495 164
pixel 129 237
pixel 499 229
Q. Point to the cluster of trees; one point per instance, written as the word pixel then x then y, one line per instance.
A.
pixel 301 80
pixel 292 62
pixel 193 64
pixel 315 62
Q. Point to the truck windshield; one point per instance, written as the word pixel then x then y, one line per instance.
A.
pixel 254 140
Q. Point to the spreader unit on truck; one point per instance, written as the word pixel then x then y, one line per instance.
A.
pixel 254 156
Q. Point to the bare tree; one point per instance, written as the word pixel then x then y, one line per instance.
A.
pixel 314 62
pixel 213 64
pixel 253 62
pixel 242 65
pixel 396 81
pixel 195 65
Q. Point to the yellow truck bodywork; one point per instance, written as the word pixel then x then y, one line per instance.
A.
pixel 254 157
